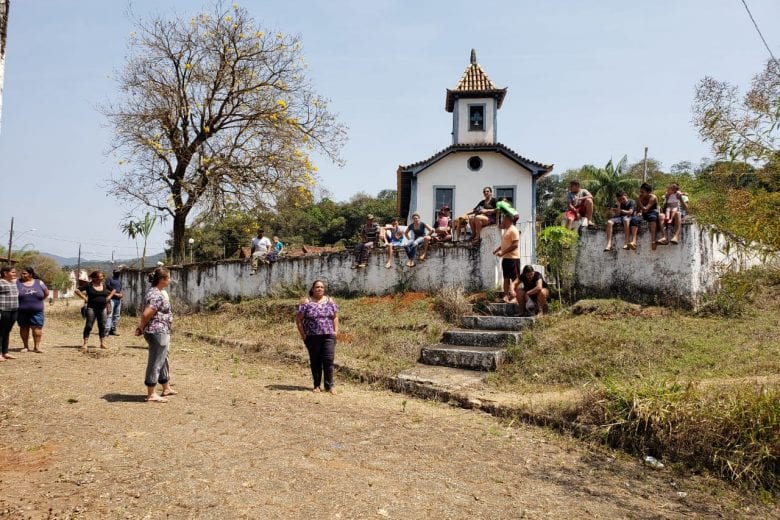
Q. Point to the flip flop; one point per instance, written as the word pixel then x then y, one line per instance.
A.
pixel 632 246
pixel 611 248
pixel 663 242
pixel 674 242
pixel 626 247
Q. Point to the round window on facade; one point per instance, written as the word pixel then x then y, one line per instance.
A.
pixel 475 163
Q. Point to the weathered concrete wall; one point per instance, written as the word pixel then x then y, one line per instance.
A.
pixel 677 275
pixel 448 265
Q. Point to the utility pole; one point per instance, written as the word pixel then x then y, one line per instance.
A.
pixel 644 175
pixel 78 268
pixel 10 241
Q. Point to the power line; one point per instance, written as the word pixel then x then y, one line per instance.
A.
pixel 759 32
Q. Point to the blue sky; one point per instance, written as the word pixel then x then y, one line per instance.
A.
pixel 587 80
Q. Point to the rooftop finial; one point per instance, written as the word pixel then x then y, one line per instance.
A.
pixel 473 57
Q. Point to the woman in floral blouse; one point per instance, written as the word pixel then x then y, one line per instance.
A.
pixel 155 325
pixel 318 324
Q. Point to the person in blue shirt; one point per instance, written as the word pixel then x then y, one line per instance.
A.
pixel 115 283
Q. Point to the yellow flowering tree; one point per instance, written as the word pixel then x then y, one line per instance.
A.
pixel 215 112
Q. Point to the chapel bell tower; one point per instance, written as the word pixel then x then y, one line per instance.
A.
pixel 474 104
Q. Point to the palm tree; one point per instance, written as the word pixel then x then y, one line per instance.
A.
pixel 606 182
pixel 135 228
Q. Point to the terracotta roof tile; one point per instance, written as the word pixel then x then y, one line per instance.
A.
pixel 474 82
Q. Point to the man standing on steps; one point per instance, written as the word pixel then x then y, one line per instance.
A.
pixel 509 253
pixel 115 283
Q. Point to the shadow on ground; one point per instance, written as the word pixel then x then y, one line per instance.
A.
pixel 288 388
pixel 124 398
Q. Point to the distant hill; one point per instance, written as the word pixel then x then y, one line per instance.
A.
pixel 102 264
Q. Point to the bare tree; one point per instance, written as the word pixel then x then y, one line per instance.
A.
pixel 215 110
pixel 745 129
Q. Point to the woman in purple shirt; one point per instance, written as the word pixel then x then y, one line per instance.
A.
pixel 32 293
pixel 318 324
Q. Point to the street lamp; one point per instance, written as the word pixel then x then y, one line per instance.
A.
pixel 192 242
pixel 11 237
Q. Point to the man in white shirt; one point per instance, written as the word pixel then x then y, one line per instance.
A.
pixel 260 247
pixel 579 204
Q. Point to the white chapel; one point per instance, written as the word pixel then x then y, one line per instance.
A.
pixel 456 175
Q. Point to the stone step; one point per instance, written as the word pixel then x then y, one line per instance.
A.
pixel 463 357
pixel 503 309
pixel 496 322
pixel 442 377
pixel 480 338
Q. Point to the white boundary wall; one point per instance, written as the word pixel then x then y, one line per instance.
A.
pixel 677 275
pixel 448 265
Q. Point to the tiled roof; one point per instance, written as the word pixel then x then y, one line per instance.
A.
pixel 536 168
pixel 474 82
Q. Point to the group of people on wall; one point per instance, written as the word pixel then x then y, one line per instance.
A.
pixel 628 214
pixel 416 238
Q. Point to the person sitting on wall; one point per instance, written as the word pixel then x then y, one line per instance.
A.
pixel 260 247
pixel 394 237
pixel 276 251
pixel 369 238
pixel 509 253
pixel 483 214
pixel 417 235
pixel 647 209
pixel 443 233
pixel 675 202
pixel 579 204
pixel 532 292
pixel 621 214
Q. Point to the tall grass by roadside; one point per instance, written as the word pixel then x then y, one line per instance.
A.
pixel 381 334
pixel 733 431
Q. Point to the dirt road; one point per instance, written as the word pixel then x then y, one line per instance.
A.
pixel 244 439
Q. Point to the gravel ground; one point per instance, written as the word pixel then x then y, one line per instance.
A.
pixel 245 439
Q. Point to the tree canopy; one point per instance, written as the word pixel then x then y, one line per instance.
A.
pixel 214 112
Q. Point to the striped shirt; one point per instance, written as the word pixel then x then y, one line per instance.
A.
pixel 9 296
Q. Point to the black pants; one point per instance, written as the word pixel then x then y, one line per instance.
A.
pixel 92 316
pixel 322 351
pixel 7 320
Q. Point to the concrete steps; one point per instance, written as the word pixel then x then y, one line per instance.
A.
pixel 480 338
pixel 463 356
pixel 512 323
pixel 482 342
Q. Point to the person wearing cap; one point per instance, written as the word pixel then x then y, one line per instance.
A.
pixel 260 247
pixel 509 251
pixel 369 238
pixel 115 283
pixel 443 224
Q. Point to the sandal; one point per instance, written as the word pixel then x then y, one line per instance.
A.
pixel 663 242
pixel 674 241
pixel 632 246
pixel 611 248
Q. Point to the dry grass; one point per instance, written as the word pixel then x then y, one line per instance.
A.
pixel 379 334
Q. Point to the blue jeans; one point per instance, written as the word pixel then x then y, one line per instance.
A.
pixel 411 247
pixel 112 323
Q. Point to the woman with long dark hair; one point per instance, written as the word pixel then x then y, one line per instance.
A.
pixel 318 324
pixel 32 293
pixel 97 297
pixel 156 325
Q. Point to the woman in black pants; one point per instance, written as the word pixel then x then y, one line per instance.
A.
pixel 318 324
pixel 98 298
pixel 9 304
